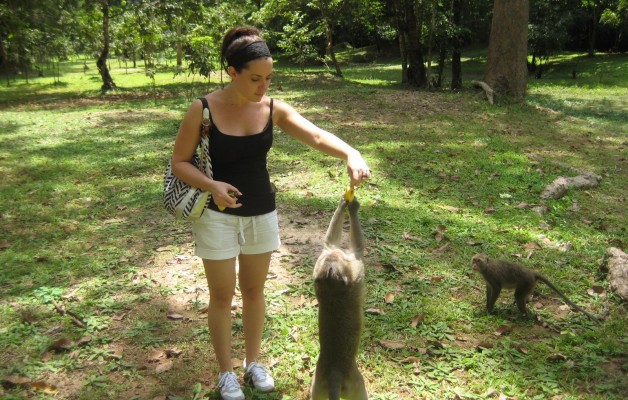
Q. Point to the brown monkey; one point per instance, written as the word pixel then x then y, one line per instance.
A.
pixel 500 274
pixel 340 290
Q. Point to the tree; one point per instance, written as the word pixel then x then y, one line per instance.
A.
pixel 329 9
pixel 456 64
pixel 101 63
pixel 506 69
pixel 408 25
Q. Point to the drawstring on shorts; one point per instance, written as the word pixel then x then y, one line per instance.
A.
pixel 241 240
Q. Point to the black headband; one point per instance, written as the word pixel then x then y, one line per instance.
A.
pixel 251 51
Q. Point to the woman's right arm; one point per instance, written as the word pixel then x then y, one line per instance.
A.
pixel 185 146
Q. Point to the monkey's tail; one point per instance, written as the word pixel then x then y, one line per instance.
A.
pixel 572 304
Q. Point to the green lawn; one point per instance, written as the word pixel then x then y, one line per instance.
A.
pixel 100 296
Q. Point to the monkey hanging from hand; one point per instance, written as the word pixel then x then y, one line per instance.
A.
pixel 340 290
pixel 500 274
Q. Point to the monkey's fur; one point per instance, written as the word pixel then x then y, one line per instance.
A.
pixel 340 290
pixel 500 274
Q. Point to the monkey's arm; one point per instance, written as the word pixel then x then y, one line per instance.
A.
pixel 357 236
pixel 334 232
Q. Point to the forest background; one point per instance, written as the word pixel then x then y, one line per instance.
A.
pixel 101 297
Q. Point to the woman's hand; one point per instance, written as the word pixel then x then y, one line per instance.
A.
pixel 225 195
pixel 357 169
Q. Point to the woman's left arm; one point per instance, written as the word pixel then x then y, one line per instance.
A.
pixel 297 126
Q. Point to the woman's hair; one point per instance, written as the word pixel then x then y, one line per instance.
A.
pixel 241 45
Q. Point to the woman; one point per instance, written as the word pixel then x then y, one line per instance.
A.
pixel 242 118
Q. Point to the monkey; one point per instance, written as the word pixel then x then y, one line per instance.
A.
pixel 340 290
pixel 500 274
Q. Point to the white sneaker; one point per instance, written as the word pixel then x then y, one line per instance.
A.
pixel 229 386
pixel 260 376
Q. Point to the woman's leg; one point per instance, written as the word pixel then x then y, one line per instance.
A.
pixel 221 280
pixel 252 276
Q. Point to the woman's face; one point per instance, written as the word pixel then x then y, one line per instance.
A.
pixel 253 81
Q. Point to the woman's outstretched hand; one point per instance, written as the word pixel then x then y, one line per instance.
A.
pixel 357 169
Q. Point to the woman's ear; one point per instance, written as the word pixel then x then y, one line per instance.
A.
pixel 231 71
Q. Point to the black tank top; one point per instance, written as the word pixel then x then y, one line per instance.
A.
pixel 241 161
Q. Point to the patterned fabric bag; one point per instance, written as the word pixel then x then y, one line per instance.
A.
pixel 180 199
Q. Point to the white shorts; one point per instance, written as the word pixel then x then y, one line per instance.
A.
pixel 220 236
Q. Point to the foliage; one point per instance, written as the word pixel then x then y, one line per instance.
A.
pixel 83 228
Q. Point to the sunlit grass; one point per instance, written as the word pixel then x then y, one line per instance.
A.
pixel 83 226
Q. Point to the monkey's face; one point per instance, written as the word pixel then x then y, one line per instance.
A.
pixel 478 260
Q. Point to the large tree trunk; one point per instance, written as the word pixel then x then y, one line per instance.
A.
pixel 107 80
pixel 506 70
pixel 403 39
pixel 456 63
pixel 416 68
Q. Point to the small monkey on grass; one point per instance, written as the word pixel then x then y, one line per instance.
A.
pixel 340 290
pixel 500 274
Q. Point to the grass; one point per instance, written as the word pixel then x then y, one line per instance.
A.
pixel 83 230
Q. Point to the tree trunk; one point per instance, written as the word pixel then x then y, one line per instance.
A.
pixel 456 64
pixel 3 54
pixel 330 46
pixel 403 40
pixel 429 47
pixel 179 46
pixel 107 81
pixel 416 68
pixel 442 57
pixel 506 70
pixel 592 30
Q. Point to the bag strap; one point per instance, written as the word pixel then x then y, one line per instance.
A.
pixel 205 164
pixel 206 122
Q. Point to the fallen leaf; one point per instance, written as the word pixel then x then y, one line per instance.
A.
pixel 597 289
pixel 43 387
pixel 236 363
pixel 441 249
pixel 157 355
pixel 116 353
pixel 118 317
pixel 173 353
pixel 203 310
pixel 391 344
pixel 175 316
pixel 557 357
pixel 409 360
pixel 522 350
pixel 416 370
pixel 84 340
pixel 389 298
pixel 408 236
pixel 164 366
pixel 437 278
pixel 15 380
pixel 484 345
pixel 489 210
pixel 375 311
pixel 503 330
pixel 62 344
pixel 532 246
pixel 417 319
